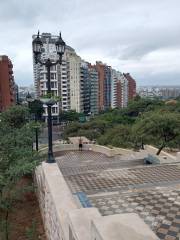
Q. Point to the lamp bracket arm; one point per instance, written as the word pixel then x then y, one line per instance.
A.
pixel 41 62
pixel 55 63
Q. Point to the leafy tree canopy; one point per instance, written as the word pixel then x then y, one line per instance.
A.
pixel 36 108
pixel 69 116
pixel 143 121
pixel 15 116
pixel 161 128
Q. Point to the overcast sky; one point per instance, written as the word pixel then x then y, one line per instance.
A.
pixel 137 36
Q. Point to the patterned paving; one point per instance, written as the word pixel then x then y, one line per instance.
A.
pixel 159 208
pixel 72 163
pixel 120 179
pixel 122 185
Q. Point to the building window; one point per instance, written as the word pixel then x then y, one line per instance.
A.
pixel 53 84
pixel 54 110
pixel 53 68
pixel 53 76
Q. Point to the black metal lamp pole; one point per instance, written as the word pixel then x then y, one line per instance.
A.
pixel 37 50
pixel 30 100
pixel 36 130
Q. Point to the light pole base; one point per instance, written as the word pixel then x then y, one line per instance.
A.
pixel 51 158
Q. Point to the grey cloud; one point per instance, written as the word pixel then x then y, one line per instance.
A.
pixel 29 13
pixel 18 10
pixel 121 30
pixel 133 44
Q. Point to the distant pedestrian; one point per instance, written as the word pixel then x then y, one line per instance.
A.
pixel 80 144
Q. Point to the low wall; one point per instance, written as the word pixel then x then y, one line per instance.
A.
pixel 122 151
pixel 94 147
pixel 64 220
pixel 66 147
pixel 110 151
pixel 178 156
pixel 127 226
pixel 55 201
pixel 102 149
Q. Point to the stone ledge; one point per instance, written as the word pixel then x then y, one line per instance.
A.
pixel 80 222
pixel 121 227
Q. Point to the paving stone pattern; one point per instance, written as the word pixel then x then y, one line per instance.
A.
pixel 72 163
pixel 101 180
pixel 160 208
pixel 120 185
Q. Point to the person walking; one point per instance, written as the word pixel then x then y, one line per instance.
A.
pixel 80 144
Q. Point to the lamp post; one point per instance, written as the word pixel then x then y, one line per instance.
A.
pixel 37 50
pixel 30 100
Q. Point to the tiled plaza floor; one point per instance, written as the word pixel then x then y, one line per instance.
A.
pixel 159 208
pixel 117 185
pixel 77 162
pixel 117 179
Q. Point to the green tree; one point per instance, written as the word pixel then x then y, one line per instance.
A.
pixel 119 136
pixel 142 105
pixel 36 108
pixel 160 128
pixel 16 158
pixel 71 130
pixel 69 116
pixel 15 117
pixel 100 125
pixel 172 106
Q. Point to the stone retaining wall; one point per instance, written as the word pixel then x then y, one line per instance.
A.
pixel 55 201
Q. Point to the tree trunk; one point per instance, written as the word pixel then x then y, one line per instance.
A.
pixel 160 149
pixel 6 225
pixel 142 145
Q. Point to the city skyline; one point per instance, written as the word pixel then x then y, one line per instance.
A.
pixel 82 87
pixel 136 37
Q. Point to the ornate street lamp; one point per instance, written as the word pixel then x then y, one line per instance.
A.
pixel 29 99
pixel 37 50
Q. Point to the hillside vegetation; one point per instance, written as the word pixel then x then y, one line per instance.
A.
pixel 144 121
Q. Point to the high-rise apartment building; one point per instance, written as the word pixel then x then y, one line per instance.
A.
pixel 65 79
pixel 75 82
pixel 131 86
pixel 86 82
pixel 104 75
pixel 94 90
pixel 123 88
pixel 114 88
pixel 119 94
pixel 7 85
pixel 108 85
pixel 89 79
pixel 100 68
